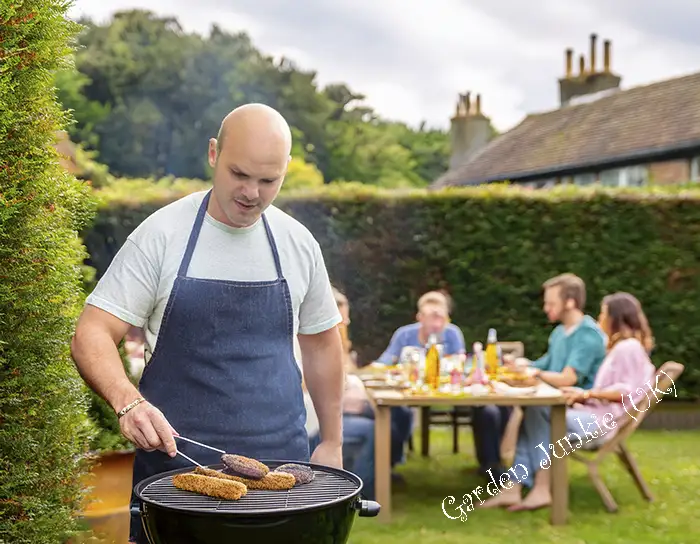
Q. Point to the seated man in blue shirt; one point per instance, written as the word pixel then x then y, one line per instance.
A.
pixel 432 318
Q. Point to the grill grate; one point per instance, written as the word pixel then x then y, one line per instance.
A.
pixel 326 487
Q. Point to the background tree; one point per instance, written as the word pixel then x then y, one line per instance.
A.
pixel 148 96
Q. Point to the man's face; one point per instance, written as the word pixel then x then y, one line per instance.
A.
pixel 433 318
pixel 554 306
pixel 246 180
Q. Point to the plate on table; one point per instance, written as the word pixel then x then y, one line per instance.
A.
pixel 385 384
pixel 510 391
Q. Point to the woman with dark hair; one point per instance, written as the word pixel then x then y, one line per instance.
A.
pixel 626 367
pixel 596 412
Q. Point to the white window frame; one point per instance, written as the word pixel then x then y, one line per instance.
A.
pixel 630 176
pixel 695 169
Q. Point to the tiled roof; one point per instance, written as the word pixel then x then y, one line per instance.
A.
pixel 628 123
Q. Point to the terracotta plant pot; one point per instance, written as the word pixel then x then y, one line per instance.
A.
pixel 106 508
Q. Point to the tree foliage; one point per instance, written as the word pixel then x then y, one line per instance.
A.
pixel 44 429
pixel 148 96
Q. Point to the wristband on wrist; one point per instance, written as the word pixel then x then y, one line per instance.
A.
pixel 129 407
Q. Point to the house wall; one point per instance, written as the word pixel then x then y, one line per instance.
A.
pixel 661 172
pixel 668 172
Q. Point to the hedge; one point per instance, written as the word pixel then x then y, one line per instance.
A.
pixel 491 247
pixel 44 429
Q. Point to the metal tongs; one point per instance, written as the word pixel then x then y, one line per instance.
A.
pixel 198 444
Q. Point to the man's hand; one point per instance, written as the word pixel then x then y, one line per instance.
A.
pixel 148 429
pixel 528 381
pixel 328 454
pixel 322 362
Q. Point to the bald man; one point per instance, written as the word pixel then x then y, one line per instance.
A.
pixel 221 281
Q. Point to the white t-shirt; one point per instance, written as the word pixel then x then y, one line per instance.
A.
pixel 136 286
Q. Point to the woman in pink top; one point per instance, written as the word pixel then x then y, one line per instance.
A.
pixel 595 413
pixel 626 368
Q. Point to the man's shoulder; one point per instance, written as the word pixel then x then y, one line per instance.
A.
pixel 453 329
pixel 590 331
pixel 404 330
pixel 557 331
pixel 284 223
pixel 170 217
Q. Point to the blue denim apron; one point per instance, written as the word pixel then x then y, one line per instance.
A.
pixel 223 371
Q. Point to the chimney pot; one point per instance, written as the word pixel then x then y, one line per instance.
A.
pixel 606 56
pixel 594 37
pixel 569 62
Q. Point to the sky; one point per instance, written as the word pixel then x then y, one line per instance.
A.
pixel 411 59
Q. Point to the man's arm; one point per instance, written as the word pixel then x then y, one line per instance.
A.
pixel 96 355
pixel 565 378
pixel 124 296
pixel 322 356
pixel 579 363
pixel 458 344
pixel 542 363
pixel 322 360
pixel 393 351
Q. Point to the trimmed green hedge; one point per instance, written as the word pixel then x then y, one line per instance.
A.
pixel 491 248
pixel 44 428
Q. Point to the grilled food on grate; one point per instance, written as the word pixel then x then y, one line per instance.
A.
pixel 245 467
pixel 272 481
pixel 301 473
pixel 213 487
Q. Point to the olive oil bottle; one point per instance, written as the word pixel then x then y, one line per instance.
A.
pixel 432 363
pixel 492 355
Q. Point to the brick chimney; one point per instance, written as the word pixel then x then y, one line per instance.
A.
pixel 589 80
pixel 470 131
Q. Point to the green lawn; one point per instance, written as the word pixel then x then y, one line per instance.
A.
pixel 669 461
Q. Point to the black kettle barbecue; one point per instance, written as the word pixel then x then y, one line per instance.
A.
pixel 321 511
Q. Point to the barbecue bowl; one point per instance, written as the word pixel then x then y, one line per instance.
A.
pixel 321 511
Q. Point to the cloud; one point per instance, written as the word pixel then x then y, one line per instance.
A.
pixel 411 59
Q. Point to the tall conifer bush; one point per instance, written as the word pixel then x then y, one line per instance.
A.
pixel 44 429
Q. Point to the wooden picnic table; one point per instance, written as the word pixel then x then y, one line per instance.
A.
pixel 384 399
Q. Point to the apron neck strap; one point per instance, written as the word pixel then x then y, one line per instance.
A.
pixel 273 246
pixel 194 234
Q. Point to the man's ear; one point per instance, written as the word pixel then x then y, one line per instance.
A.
pixel 212 152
